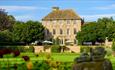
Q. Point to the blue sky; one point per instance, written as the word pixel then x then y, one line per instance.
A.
pixel 90 10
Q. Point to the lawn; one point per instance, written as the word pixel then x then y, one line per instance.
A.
pixel 62 57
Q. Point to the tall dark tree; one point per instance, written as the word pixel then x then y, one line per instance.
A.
pixel 6 21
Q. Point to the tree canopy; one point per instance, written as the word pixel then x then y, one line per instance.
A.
pixel 97 31
pixel 28 32
pixel 6 21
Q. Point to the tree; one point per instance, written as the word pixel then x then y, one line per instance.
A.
pixel 28 32
pixel 5 36
pixel 87 33
pixel 97 31
pixel 6 21
pixel 104 28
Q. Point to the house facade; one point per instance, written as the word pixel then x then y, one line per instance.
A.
pixel 62 25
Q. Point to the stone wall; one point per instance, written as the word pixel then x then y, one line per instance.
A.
pixel 64 25
pixel 75 49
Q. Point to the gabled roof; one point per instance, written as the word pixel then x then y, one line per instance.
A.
pixel 61 14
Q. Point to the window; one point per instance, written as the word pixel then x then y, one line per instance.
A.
pixel 61 41
pixel 75 21
pixel 61 31
pixel 54 21
pixel 68 21
pixel 54 32
pixel 59 21
pixel 74 41
pixel 46 32
pixel 75 31
pixel 67 31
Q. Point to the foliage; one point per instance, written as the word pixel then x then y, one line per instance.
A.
pixel 97 31
pixel 84 49
pixel 28 49
pixel 109 51
pixel 88 33
pixel 6 21
pixel 55 48
pixel 28 32
pixel 64 60
pixel 42 65
pixel 5 36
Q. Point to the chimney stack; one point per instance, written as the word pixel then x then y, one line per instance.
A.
pixel 55 8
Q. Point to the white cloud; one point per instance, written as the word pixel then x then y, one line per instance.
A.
pixel 95 17
pixel 24 17
pixel 112 6
pixel 98 15
pixel 15 8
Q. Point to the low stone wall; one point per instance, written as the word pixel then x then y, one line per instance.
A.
pixel 38 49
pixel 75 49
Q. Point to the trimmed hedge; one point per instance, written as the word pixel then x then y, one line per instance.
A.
pixel 55 49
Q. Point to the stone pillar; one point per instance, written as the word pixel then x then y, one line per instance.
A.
pixel 106 41
pixel 63 41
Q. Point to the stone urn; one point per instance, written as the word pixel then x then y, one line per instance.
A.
pixel 95 61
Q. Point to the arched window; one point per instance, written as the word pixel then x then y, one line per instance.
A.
pixel 54 32
pixel 75 31
pixel 61 31
pixel 67 31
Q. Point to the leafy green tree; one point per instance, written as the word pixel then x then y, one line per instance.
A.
pixel 28 32
pixel 5 36
pixel 87 33
pixel 97 31
pixel 104 26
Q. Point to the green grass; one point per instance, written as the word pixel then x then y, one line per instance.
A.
pixel 62 57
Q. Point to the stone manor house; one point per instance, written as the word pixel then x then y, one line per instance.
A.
pixel 62 25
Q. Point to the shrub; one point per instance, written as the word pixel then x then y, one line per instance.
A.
pixel 28 49
pixel 109 51
pixel 85 48
pixel 41 65
pixel 55 48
